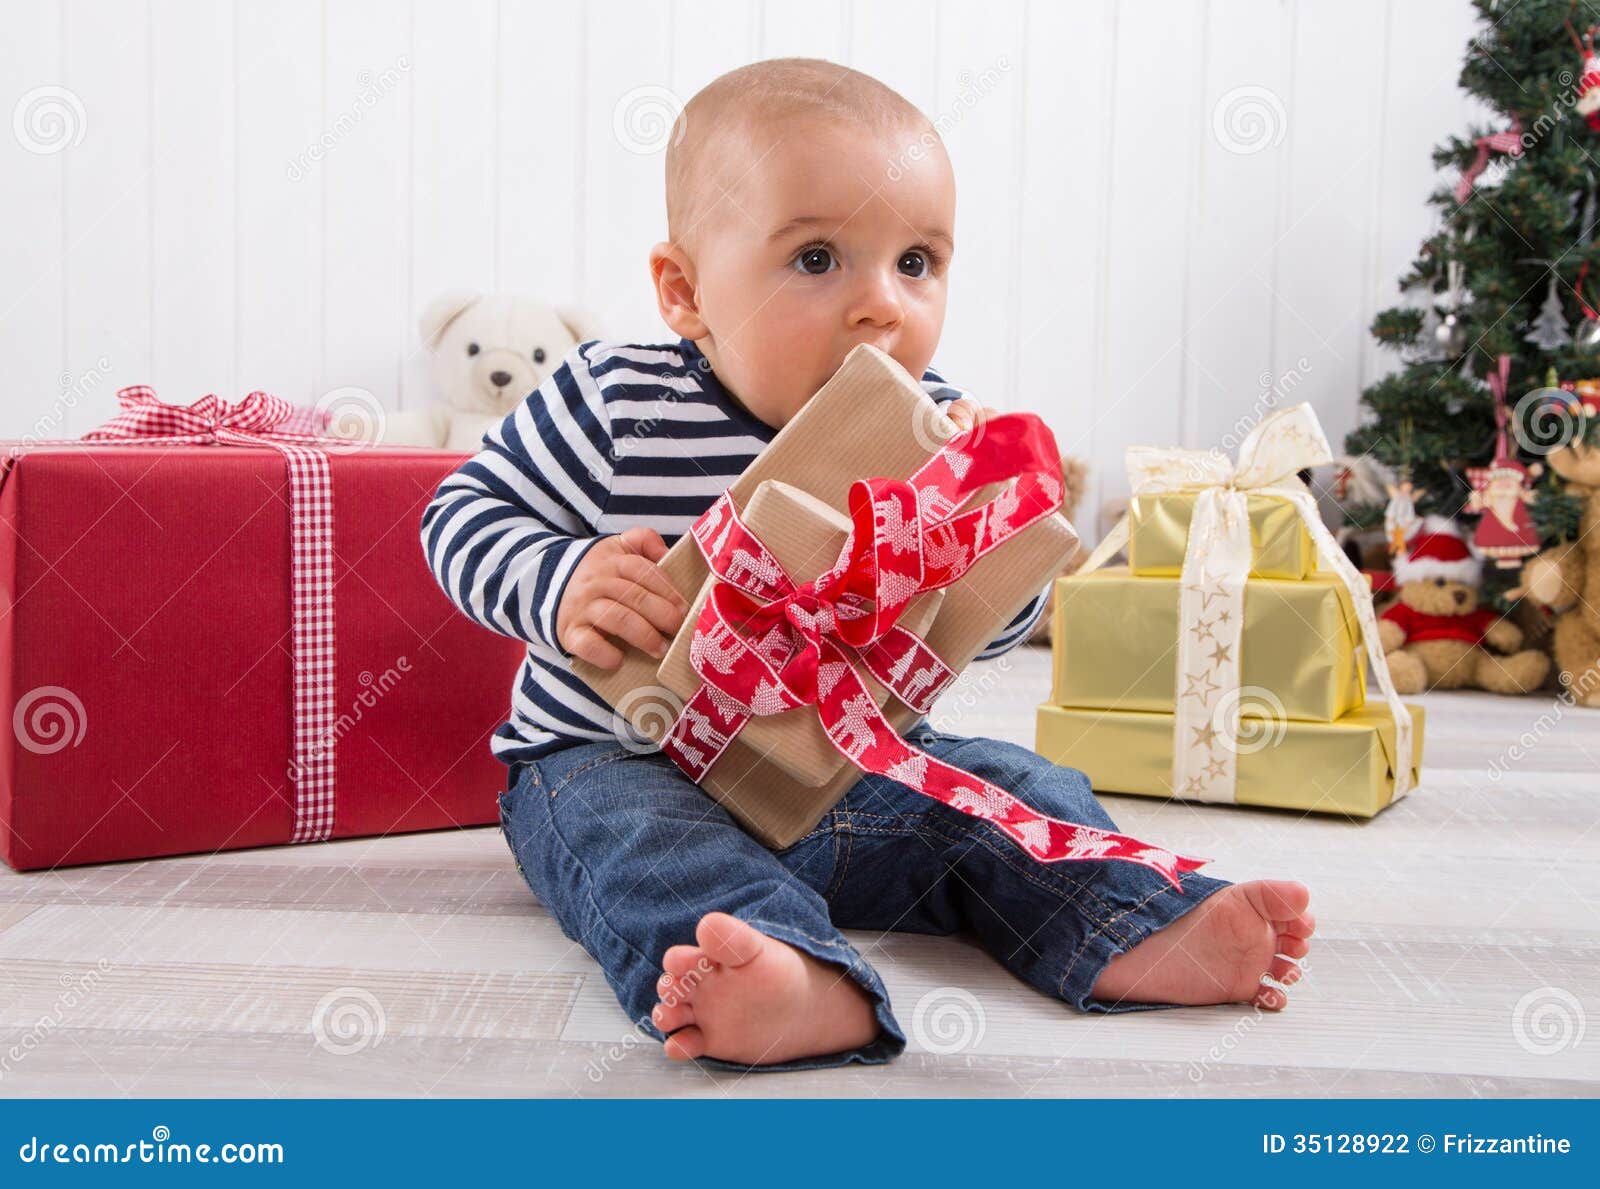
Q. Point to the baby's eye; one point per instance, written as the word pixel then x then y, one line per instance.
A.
pixel 814 261
pixel 915 264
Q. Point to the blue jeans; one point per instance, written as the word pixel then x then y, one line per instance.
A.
pixel 628 854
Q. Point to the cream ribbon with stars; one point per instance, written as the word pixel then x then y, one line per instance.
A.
pixel 1209 702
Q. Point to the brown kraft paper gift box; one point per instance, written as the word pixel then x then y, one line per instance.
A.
pixel 805 535
pixel 870 419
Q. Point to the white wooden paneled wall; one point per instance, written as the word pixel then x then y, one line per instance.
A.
pixel 1121 268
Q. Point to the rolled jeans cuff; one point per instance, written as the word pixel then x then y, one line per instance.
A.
pixel 1154 912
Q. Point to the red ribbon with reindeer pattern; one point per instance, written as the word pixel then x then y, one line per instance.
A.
pixel 764 644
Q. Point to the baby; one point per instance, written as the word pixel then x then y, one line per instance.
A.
pixel 809 208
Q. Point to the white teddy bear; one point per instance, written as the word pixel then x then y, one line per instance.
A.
pixel 487 352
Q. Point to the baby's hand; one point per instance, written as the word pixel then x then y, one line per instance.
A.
pixel 967 412
pixel 618 590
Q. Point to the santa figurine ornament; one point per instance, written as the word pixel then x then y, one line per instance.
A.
pixel 1400 518
pixel 1503 490
pixel 1588 102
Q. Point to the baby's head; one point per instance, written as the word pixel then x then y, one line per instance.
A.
pixel 809 208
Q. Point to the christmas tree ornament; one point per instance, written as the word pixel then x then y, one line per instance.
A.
pixel 1450 332
pixel 1503 490
pixel 1508 142
pixel 1549 331
pixel 1400 518
pixel 1586 339
pixel 1588 101
pixel 1583 401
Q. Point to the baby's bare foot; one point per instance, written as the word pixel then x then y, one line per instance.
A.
pixel 744 997
pixel 1218 951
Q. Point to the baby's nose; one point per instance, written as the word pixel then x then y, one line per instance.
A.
pixel 499 379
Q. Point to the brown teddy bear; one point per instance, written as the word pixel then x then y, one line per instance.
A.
pixel 1433 635
pixel 1566 579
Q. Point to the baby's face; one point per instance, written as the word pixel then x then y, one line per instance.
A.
pixel 814 250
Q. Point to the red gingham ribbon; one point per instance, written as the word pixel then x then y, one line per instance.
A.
pixel 264 420
pixel 764 644
pixel 1508 142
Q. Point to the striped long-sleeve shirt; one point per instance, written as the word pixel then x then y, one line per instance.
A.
pixel 618 435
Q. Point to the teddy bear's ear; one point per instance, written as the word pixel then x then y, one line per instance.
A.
pixel 580 322
pixel 442 311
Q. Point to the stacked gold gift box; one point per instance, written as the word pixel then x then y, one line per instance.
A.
pixel 1305 735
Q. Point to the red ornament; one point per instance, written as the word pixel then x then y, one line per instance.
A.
pixel 1503 490
pixel 1588 101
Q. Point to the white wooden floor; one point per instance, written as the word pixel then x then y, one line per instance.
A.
pixel 1458 953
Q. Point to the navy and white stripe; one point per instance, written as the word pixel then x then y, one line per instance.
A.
pixel 618 435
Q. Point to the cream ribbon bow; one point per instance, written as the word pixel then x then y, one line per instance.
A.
pixel 1214 720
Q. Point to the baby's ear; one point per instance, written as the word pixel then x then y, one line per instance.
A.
pixel 443 310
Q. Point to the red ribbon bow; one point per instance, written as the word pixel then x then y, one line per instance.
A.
pixel 1508 142
pixel 764 644
pixel 210 419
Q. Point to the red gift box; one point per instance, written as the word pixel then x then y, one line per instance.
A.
pixel 148 672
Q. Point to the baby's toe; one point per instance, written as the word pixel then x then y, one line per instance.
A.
pixel 685 1045
pixel 682 960
pixel 672 990
pixel 1270 998
pixel 1293 947
pixel 1281 900
pixel 1286 972
pixel 671 1015
pixel 1303 925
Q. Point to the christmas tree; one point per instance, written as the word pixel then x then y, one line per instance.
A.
pixel 1513 269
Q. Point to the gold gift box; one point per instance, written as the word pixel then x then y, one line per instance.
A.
pixel 1116 644
pixel 1158 536
pixel 1346 766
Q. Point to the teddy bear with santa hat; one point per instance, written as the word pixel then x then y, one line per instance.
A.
pixel 1436 636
